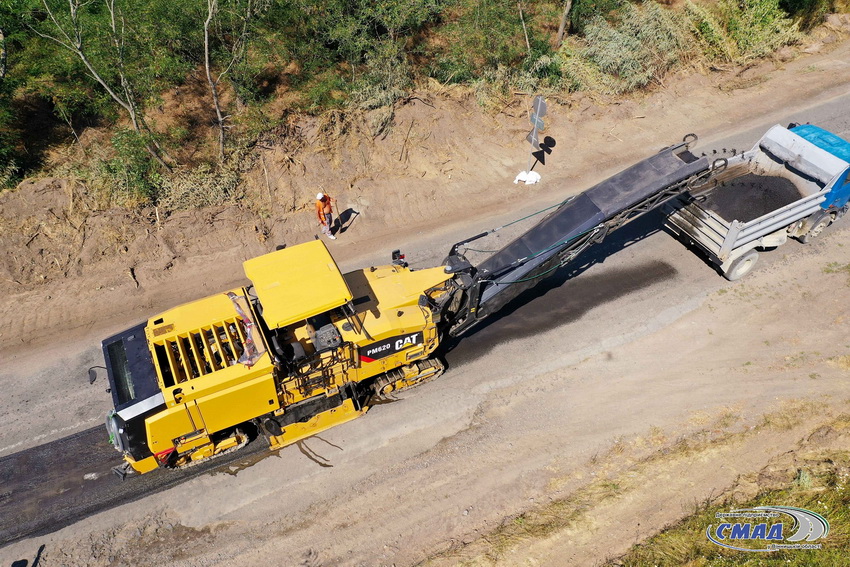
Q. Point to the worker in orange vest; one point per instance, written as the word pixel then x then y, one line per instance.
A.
pixel 324 212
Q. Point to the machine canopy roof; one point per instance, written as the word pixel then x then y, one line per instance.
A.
pixel 296 283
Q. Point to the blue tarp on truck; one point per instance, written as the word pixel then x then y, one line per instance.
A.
pixel 836 146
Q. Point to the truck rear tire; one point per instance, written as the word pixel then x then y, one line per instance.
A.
pixel 742 266
pixel 817 229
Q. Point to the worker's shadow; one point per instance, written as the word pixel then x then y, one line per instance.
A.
pixel 575 299
pixel 346 219
pixel 25 563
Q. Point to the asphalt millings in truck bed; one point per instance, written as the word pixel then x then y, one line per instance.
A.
pixel 750 196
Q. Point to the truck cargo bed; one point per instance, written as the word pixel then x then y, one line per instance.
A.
pixel 753 202
pixel 751 196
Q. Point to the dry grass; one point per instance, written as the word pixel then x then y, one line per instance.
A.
pixel 559 515
pixel 200 187
pixel 838 268
pixel 790 415
pixel 842 362
pixel 821 485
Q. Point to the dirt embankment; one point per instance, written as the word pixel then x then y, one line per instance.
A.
pixel 444 161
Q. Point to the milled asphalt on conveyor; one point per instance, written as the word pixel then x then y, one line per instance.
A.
pixel 569 297
pixel 50 486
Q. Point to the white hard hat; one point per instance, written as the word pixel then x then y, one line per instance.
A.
pixel 320 196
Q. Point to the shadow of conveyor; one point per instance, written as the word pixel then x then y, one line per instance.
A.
pixel 567 298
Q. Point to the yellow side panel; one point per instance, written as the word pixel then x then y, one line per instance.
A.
pixel 236 404
pixel 166 426
pixel 394 286
pixel 218 381
pixel 316 424
pixel 393 322
pixel 143 466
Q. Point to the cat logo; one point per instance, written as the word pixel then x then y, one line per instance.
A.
pixel 407 341
pixel 387 347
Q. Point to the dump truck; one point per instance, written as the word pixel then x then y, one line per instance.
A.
pixel 793 183
pixel 304 347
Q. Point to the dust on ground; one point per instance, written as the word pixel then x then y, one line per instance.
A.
pixel 486 442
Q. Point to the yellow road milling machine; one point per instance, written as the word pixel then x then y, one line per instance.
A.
pixel 305 347
pixel 300 350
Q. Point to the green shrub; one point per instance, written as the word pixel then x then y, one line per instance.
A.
pixel 741 30
pixel 327 90
pixel 386 78
pixel 639 46
pixel 584 12
pixel 715 43
pixel 758 27
pixel 662 32
pixel 579 73
pixel 618 54
pixel 131 176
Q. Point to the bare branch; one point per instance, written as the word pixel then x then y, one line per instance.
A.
pixel 67 46
pixel 524 30
pixel 73 42
pixel 2 54
pixel 212 8
pixel 67 43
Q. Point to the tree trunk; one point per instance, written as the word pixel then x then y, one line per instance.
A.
pixel 212 6
pixel 565 22
pixel 247 12
pixel 524 30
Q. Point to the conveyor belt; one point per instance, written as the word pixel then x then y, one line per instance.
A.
pixel 578 223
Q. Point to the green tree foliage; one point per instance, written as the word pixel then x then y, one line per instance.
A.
pixel 351 27
pixel 71 64
pixel 12 150
pixel 585 12
pixel 482 36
